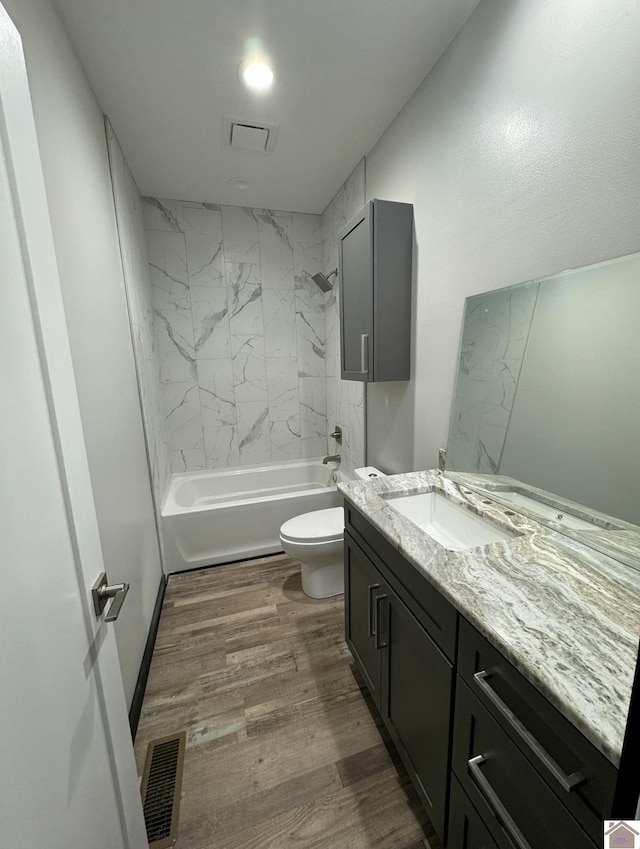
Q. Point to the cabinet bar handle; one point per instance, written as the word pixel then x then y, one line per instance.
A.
pixel 495 803
pixel 364 353
pixel 379 643
pixel 372 629
pixel 567 782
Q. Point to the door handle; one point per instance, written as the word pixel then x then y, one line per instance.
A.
pixel 101 592
pixel 379 643
pixel 372 629
pixel 364 353
pixel 567 782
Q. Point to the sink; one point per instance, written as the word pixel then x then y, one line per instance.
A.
pixel 541 510
pixel 453 526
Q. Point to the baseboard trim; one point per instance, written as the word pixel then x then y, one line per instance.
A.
pixel 226 563
pixel 143 675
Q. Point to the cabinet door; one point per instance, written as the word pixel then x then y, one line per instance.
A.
pixel 466 829
pixel 417 692
pixel 356 305
pixel 363 584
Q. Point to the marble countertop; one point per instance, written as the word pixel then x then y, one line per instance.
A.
pixel 566 616
pixel 607 534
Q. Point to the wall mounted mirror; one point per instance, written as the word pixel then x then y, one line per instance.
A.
pixel 546 413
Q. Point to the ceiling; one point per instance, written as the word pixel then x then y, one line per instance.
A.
pixel 166 75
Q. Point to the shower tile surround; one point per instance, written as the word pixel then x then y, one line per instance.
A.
pixel 346 399
pixel 240 331
pixel 495 333
pixel 247 345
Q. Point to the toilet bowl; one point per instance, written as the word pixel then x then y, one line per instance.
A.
pixel 316 540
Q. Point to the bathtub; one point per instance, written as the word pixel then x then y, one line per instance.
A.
pixel 216 517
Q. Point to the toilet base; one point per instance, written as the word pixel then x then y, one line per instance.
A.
pixel 322 580
pixel 316 539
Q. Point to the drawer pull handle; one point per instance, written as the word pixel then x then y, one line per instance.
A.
pixel 372 629
pixel 379 643
pixel 494 802
pixel 567 782
pixel 364 353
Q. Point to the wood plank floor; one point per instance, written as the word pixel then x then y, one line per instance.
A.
pixel 284 748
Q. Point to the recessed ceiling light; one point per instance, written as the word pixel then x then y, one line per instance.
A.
pixel 240 183
pixel 256 74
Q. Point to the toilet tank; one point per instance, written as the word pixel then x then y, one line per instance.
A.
pixel 366 472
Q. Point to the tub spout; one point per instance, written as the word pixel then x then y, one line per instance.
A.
pixel 332 458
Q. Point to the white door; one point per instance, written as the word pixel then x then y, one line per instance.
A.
pixel 67 773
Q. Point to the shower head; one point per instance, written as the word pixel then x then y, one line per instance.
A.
pixel 323 283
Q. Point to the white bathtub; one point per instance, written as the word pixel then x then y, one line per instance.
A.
pixel 217 517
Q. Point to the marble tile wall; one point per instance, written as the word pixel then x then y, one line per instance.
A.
pixel 494 338
pixel 133 250
pixel 345 398
pixel 240 330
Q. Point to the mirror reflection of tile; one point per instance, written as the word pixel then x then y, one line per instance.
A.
pixel 547 390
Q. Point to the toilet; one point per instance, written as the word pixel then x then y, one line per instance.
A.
pixel 316 540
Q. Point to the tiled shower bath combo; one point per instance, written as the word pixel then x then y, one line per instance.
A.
pixel 237 350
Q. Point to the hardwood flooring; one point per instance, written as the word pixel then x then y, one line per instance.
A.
pixel 284 748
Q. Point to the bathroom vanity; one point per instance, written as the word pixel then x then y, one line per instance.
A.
pixel 502 669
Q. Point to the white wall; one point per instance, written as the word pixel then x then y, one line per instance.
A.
pixel 135 268
pixel 519 152
pixel 72 142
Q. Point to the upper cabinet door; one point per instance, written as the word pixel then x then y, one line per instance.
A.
pixel 356 306
pixel 375 262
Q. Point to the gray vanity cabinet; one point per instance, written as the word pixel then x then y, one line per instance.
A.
pixel 408 675
pixel 513 751
pixel 363 586
pixel 417 689
pixel 466 829
pixel 494 762
pixel 375 260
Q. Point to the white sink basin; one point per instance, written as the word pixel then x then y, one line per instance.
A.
pixel 453 526
pixel 542 510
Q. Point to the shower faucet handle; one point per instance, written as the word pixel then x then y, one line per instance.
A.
pixel 337 434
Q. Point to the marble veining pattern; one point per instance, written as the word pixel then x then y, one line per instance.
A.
pixel 345 398
pixel 234 306
pixel 494 339
pixel 608 534
pixel 566 616
pixel 240 332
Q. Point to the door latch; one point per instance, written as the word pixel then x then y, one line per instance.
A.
pixel 101 592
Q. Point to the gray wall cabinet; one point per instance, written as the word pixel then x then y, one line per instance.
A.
pixel 375 261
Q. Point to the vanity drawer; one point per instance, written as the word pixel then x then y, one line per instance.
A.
pixel 515 803
pixel 579 775
pixel 466 829
pixel 432 610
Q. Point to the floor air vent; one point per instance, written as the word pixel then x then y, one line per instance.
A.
pixel 161 787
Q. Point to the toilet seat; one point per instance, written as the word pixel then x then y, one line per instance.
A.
pixel 315 527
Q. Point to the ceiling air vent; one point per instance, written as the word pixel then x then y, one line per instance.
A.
pixel 239 134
